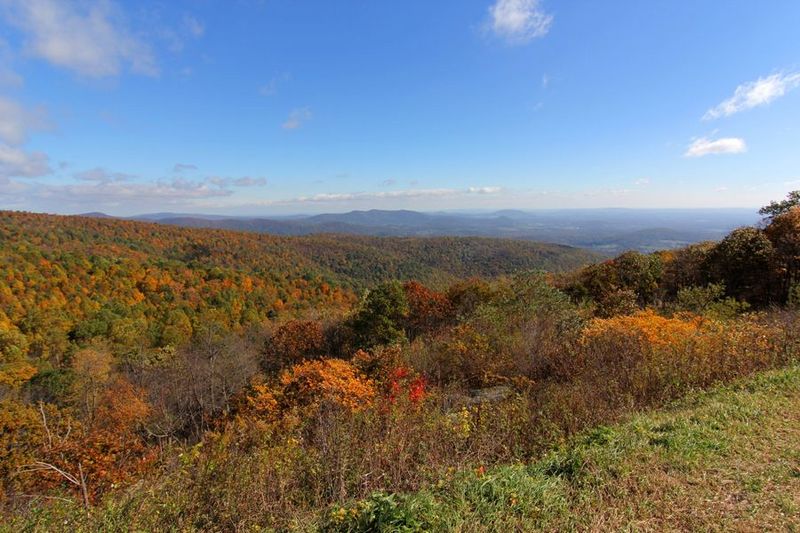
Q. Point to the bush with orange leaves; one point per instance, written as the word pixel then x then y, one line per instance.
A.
pixel 326 380
pixel 305 386
pixel 658 331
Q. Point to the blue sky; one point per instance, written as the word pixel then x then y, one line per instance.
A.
pixel 299 106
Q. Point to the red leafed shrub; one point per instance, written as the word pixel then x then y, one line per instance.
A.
pixel 403 383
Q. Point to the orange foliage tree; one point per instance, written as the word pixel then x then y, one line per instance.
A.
pixel 308 385
pixel 428 309
pixel 295 341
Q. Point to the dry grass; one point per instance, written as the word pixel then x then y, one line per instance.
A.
pixel 722 461
pixel 745 476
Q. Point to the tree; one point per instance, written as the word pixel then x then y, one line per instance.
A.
pixel 744 262
pixel 15 369
pixel 640 273
pixel 200 383
pixel 92 369
pixel 619 285
pixel 293 342
pixel 686 267
pixel 778 208
pixel 784 233
pixel 379 320
pixel 709 300
pixel 467 295
pixel 428 309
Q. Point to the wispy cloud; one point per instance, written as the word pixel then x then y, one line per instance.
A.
pixel 8 77
pixel 183 167
pixel 174 191
pixel 297 117
pixel 98 188
pixel 754 94
pixel 519 21
pixel 193 26
pixel 16 122
pixel 101 175
pixel 382 195
pixel 17 163
pixel 245 181
pixel 271 87
pixel 90 39
pixel 641 182
pixel 705 146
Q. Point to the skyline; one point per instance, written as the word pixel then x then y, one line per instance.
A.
pixel 279 107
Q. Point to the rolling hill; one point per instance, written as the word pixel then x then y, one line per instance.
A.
pixel 603 230
pixel 349 260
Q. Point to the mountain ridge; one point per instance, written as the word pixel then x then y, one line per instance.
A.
pixel 607 231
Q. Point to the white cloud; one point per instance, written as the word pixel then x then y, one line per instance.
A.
pixel 641 182
pixel 483 190
pixel 519 21
pixel 90 39
pixel 297 118
pixel 705 146
pixel 16 122
pixel 754 94
pixel 16 163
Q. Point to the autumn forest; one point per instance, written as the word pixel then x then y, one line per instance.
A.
pixel 162 378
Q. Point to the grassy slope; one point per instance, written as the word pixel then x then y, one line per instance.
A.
pixel 728 460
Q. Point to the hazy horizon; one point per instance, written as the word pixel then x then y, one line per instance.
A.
pixel 444 211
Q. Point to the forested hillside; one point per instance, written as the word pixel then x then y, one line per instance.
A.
pixel 155 377
pixel 67 280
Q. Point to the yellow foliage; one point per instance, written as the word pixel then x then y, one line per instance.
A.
pixel 14 374
pixel 262 402
pixel 656 330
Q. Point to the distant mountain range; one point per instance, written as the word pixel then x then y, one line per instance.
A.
pixel 605 230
